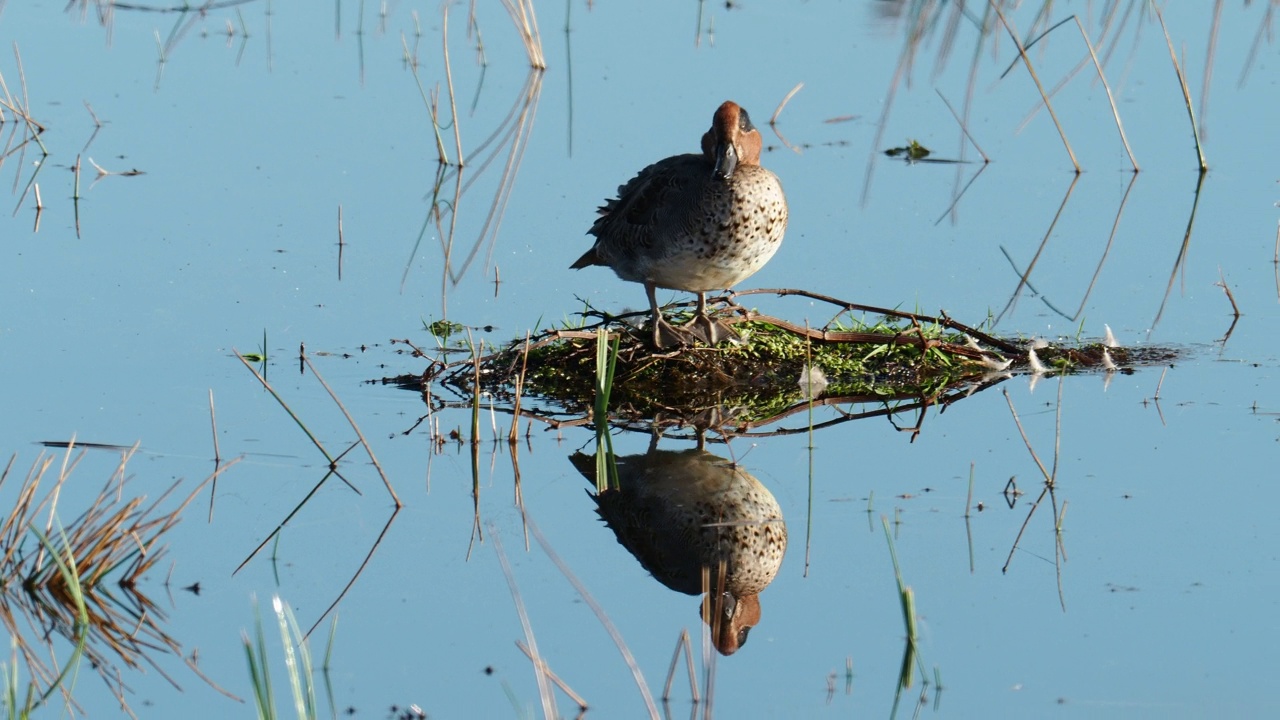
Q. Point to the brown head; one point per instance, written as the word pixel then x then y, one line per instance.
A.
pixel 732 140
pixel 731 619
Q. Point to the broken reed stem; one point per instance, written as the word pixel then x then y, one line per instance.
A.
pixel 332 463
pixel 1186 92
pixel 1222 283
pixel 1115 113
pixel 1022 52
pixel 363 442
pixel 773 121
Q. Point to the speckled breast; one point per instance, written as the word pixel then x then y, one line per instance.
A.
pixel 741 226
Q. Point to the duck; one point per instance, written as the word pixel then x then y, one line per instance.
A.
pixel 683 513
pixel 696 222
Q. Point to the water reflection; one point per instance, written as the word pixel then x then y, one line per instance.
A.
pixel 697 522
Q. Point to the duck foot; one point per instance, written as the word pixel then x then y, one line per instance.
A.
pixel 667 336
pixel 710 331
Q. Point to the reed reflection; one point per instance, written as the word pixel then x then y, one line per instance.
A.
pixel 698 523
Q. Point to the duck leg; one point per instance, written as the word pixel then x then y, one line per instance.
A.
pixel 710 331
pixel 665 335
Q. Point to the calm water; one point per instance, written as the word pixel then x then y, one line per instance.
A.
pixel 116 327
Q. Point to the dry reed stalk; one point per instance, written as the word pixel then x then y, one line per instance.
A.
pixel 526 22
pixel 448 75
pixel 1186 92
pixel 1022 52
pixel 1210 53
pixel 786 99
pixel 75 198
pixel 1222 283
pixel 773 121
pixel 267 386
pixel 430 100
pixel 36 128
pixel 1115 112
pixel 111 535
pixel 360 435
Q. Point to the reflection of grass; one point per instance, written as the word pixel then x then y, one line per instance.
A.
pixel 58 578
pixel 456 176
pixel 911 652
pixel 606 366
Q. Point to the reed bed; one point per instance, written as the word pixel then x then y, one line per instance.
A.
pixel 78 582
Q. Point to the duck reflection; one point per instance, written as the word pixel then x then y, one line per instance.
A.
pixel 679 512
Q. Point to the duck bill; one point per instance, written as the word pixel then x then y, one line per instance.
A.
pixel 726 160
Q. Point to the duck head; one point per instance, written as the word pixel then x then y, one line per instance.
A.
pixel 731 141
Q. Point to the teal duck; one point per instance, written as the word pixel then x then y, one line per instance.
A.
pixel 696 223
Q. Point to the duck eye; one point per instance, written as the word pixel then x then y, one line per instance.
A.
pixel 744 121
pixel 742 636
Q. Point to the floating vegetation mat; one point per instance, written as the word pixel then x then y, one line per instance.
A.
pixel 775 366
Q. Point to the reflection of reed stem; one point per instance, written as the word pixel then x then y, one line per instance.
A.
pixel 448 76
